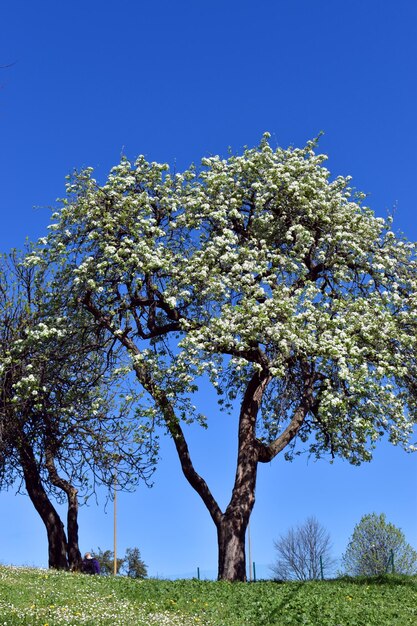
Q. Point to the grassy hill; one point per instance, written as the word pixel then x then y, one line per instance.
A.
pixel 45 598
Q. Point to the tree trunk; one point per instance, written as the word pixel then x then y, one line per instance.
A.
pixel 231 530
pixel 57 541
pixel 231 525
pixel 231 548
pixel 74 554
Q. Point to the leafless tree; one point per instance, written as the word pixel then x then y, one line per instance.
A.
pixel 303 553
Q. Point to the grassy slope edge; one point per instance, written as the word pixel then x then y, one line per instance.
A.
pixel 47 598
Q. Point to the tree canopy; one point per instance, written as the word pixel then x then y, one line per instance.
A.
pixel 265 275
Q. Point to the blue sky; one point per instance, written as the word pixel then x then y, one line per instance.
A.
pixel 177 81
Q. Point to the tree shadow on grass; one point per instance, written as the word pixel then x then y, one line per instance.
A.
pixel 287 598
pixel 296 588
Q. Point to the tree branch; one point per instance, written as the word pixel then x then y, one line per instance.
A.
pixel 167 410
pixel 268 451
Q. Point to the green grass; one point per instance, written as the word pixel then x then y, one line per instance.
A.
pixel 39 597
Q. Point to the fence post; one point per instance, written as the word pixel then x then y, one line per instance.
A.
pixel 198 573
pixel 391 562
pixel 321 568
pixel 254 572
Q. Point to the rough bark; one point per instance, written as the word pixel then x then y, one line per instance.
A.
pixel 231 547
pixel 57 541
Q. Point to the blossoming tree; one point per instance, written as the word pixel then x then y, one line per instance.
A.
pixel 58 420
pixel 377 547
pixel 266 276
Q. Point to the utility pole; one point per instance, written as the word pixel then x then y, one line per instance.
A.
pixel 115 525
pixel 249 553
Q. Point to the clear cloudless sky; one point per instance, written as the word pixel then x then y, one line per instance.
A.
pixel 176 81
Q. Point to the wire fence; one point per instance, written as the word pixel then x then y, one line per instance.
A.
pixel 254 572
pixel 261 571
